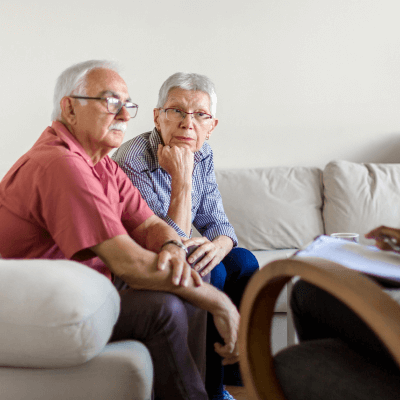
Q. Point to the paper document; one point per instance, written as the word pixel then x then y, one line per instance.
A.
pixel 367 259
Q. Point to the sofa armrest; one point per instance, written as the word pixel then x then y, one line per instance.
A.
pixel 54 313
pixel 358 292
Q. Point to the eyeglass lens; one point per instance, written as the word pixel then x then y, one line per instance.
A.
pixel 176 115
pixel 114 106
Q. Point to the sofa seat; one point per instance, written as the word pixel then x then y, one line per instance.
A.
pixel 122 371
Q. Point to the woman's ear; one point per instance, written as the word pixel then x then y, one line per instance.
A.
pixel 156 115
pixel 213 126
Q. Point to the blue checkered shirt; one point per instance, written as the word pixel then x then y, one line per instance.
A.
pixel 138 158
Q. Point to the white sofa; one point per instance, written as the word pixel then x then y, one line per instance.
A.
pixel 274 211
pixel 277 210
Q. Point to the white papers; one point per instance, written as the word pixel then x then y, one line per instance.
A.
pixel 367 259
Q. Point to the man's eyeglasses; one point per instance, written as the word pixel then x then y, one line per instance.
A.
pixel 114 105
pixel 177 115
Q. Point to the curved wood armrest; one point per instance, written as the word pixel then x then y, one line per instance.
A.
pixel 366 298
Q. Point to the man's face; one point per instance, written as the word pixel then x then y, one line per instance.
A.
pixel 95 128
pixel 187 132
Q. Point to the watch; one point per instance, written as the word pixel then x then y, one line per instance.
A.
pixel 176 243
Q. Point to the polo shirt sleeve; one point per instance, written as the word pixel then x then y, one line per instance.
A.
pixel 134 208
pixel 81 209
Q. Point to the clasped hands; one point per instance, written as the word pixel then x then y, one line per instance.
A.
pixel 226 320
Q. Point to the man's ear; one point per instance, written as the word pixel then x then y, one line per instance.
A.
pixel 213 126
pixel 67 110
pixel 156 115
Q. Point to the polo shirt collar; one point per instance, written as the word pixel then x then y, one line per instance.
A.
pixel 66 136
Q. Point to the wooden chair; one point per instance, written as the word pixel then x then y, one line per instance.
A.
pixel 378 310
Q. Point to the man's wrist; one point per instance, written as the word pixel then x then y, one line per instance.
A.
pixel 176 243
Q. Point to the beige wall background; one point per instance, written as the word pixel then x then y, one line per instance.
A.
pixel 299 82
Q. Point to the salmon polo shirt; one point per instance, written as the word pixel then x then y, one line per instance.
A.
pixel 54 202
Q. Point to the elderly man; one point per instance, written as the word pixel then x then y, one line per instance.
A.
pixel 173 168
pixel 65 198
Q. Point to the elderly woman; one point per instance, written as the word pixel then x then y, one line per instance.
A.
pixel 173 168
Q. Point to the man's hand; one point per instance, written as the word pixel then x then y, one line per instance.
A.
pixel 181 271
pixel 212 252
pixel 227 325
pixel 383 233
pixel 177 161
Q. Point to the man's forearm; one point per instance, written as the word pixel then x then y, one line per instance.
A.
pixel 137 267
pixel 153 233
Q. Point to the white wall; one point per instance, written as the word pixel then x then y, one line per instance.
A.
pixel 300 82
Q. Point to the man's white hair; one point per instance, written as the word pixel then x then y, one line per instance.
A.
pixel 73 81
pixel 188 81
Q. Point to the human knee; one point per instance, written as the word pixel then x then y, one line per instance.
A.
pixel 174 306
pixel 302 294
pixel 218 276
pixel 242 260
pixel 167 308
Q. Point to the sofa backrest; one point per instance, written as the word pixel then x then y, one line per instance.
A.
pixel 287 207
pixel 360 197
pixel 273 208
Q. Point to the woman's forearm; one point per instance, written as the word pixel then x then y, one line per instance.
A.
pixel 180 207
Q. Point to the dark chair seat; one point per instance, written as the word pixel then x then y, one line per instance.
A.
pixel 323 369
pixel 328 369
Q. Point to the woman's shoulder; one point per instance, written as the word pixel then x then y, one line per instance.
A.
pixel 135 146
pixel 133 149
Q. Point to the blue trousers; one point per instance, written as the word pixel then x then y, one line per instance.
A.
pixel 230 276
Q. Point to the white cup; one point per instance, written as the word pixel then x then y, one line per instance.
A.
pixel 352 237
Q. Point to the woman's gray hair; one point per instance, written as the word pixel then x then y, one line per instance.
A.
pixel 188 81
pixel 73 81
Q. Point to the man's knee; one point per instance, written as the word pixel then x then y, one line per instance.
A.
pixel 168 306
pixel 153 308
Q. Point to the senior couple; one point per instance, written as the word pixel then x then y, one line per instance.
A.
pixel 67 199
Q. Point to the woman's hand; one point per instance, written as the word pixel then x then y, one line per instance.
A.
pixel 212 252
pixel 382 234
pixel 177 161
pixel 175 257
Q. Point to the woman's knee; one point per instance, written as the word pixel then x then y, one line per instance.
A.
pixel 218 276
pixel 241 261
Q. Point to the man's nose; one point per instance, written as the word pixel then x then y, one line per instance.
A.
pixel 123 114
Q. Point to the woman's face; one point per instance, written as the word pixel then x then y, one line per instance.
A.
pixel 186 132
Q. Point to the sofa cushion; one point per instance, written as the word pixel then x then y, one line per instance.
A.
pixel 53 313
pixel 360 197
pixel 273 208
